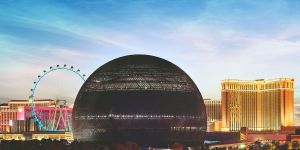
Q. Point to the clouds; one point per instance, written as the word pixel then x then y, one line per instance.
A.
pixel 210 40
pixel 66 53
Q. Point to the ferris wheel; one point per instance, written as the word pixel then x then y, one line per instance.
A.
pixel 57 117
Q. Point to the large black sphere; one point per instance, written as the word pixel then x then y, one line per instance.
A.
pixel 142 99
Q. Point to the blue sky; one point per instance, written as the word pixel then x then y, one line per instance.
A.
pixel 210 40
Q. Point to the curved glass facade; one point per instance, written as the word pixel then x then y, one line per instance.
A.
pixel 142 99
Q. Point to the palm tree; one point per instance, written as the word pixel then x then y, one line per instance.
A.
pixel 275 145
pixel 257 144
pixel 296 145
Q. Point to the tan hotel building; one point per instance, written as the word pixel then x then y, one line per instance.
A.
pixel 213 112
pixel 260 105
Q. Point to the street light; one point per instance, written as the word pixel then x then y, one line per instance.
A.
pixel 242 146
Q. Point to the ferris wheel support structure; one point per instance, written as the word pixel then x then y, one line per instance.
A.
pixel 58 115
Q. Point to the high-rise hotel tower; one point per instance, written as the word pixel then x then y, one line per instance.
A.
pixel 213 113
pixel 213 110
pixel 260 105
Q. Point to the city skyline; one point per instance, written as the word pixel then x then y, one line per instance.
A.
pixel 209 40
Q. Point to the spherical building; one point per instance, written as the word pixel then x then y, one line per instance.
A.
pixel 142 99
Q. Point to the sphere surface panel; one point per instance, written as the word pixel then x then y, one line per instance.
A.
pixel 142 99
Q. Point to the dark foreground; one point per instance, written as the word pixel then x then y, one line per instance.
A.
pixel 47 144
pixel 62 145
